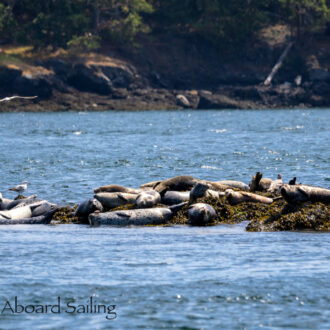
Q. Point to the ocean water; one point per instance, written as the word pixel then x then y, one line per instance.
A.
pixel 169 277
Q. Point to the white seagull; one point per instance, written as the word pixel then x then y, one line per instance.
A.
pixel 20 188
pixel 9 98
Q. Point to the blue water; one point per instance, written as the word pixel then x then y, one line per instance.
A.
pixel 176 277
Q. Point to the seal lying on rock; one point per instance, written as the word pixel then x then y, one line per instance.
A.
pixel 149 184
pixel 276 184
pixel 147 199
pixel 201 214
pixel 116 188
pixel 237 197
pixel 22 202
pixel 202 190
pixel 258 183
pixel 18 213
pixel 86 208
pixel 4 202
pixel 302 193
pixel 234 184
pixel 175 197
pixel 42 219
pixel 178 183
pixel 112 200
pixel 138 217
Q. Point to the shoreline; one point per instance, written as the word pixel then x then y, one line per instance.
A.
pixel 272 97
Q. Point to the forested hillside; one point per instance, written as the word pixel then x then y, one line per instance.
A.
pixel 164 54
pixel 87 23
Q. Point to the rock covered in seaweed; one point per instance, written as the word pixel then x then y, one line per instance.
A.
pixel 308 216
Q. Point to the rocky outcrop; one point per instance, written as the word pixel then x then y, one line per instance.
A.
pixel 89 80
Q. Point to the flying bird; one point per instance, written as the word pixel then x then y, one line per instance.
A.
pixel 10 98
pixel 20 188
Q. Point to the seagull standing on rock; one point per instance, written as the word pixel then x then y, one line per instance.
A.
pixel 20 188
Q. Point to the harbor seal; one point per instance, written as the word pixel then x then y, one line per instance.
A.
pixel 115 199
pixel 237 197
pixel 178 183
pixel 175 197
pixel 136 217
pixel 18 213
pixel 276 184
pixel 301 193
pixel 22 202
pixel 234 184
pixel 86 208
pixel 202 190
pixel 116 188
pixel 149 184
pixel 42 219
pixel 201 214
pixel 4 202
pixel 147 199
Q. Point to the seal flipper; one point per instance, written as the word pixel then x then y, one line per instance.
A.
pixel 176 208
pixel 120 196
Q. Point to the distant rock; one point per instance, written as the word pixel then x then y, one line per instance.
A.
pixel 8 76
pixel 319 74
pixel 120 76
pixel 88 79
pixel 60 67
pixel 217 101
pixel 32 85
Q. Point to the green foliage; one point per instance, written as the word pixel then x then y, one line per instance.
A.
pixel 85 42
pixel 7 22
pixel 127 20
pixel 306 15
pixel 62 23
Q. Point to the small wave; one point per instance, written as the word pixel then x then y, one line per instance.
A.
pixel 77 133
pixel 292 128
pixel 218 130
pixel 210 167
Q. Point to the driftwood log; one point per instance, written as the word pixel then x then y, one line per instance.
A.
pixel 301 193
pixel 278 64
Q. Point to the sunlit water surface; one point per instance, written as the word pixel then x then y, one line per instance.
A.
pixel 175 277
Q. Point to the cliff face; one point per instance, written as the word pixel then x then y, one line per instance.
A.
pixel 170 73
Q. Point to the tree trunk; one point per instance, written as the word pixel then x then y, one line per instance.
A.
pixel 278 64
pixel 96 18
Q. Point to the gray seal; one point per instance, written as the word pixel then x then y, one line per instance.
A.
pixel 86 208
pixel 201 214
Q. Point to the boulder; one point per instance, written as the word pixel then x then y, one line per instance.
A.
pixel 216 101
pixel 88 79
pixel 28 85
pixel 60 67
pixel 120 76
pixel 319 74
pixel 8 76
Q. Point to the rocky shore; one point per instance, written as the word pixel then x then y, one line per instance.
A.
pixel 96 82
pixel 268 205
